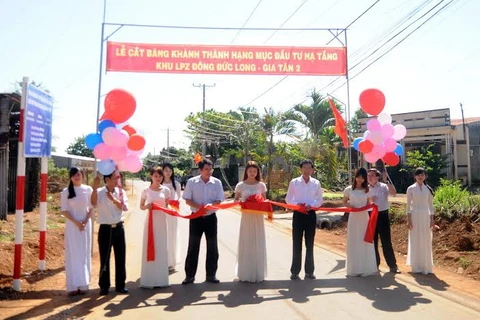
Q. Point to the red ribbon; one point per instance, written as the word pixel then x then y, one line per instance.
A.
pixel 150 239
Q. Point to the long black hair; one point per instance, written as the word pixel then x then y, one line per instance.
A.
pixel 170 166
pixel 71 189
pixel 158 170
pixel 421 170
pixel 362 172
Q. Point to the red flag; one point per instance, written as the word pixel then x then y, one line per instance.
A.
pixel 340 125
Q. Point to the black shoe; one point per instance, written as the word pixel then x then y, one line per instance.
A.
pixel 310 276
pixel 212 279
pixel 103 292
pixel 294 277
pixel 395 270
pixel 188 280
pixel 123 291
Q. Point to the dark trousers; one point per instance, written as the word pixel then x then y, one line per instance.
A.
pixel 383 230
pixel 109 237
pixel 303 225
pixel 198 226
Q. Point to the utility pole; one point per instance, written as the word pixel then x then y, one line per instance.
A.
pixel 203 86
pixel 463 121
pixel 168 143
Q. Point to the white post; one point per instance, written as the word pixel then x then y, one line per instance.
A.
pixel 20 193
pixel 43 212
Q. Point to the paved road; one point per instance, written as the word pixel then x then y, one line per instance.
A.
pixel 331 296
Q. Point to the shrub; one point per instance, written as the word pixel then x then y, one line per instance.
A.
pixel 451 201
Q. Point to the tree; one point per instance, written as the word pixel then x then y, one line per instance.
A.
pixel 316 118
pixel 79 148
pixel 274 124
pixel 354 125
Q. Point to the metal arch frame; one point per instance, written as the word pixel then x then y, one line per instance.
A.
pixel 335 32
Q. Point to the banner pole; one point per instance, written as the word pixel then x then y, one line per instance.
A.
pixel 43 212
pixel 349 149
pixel 100 71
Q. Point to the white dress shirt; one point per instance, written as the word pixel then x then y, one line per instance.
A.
pixel 108 212
pixel 200 192
pixel 310 193
pixel 380 192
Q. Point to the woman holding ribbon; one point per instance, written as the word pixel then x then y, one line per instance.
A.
pixel 155 254
pixel 172 223
pixel 360 254
pixel 252 250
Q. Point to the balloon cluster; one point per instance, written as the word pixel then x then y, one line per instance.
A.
pixel 117 144
pixel 379 141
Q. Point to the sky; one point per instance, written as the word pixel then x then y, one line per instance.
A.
pixel 58 43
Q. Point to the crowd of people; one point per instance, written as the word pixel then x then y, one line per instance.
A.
pixel 161 250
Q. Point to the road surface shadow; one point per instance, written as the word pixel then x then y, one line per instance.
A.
pixel 384 291
pixel 431 281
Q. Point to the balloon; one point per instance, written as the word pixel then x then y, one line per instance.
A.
pixel 384 118
pixel 399 132
pixel 114 137
pixel 373 124
pixel 376 137
pixel 92 140
pixel 389 144
pixel 379 151
pixel 197 158
pixel 119 106
pixel 139 152
pixel 121 165
pixel 365 146
pixel 391 159
pixel 387 130
pixel 372 101
pixel 130 130
pixel 133 163
pixel 356 142
pixel 106 167
pixel 105 124
pixel 136 142
pixel 370 157
pixel 398 150
pixel 118 153
pixel 102 151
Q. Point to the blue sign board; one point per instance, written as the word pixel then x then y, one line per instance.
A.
pixel 38 123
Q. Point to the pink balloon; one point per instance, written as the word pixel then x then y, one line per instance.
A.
pixel 121 165
pixel 118 153
pixel 399 132
pixel 108 136
pixel 384 118
pixel 375 137
pixel 379 151
pixel 373 124
pixel 387 130
pixel 366 134
pixel 139 152
pixel 389 144
pixel 102 151
pixel 133 163
pixel 370 157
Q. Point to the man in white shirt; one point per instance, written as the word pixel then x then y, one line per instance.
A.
pixel 199 191
pixel 380 192
pixel 306 191
pixel 111 203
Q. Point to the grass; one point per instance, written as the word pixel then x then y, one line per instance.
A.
pixel 6 237
pixel 332 196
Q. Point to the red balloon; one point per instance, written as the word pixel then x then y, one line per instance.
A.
pixel 129 129
pixel 372 101
pixel 119 106
pixel 391 159
pixel 365 146
pixel 136 142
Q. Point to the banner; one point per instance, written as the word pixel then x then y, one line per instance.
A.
pixel 248 60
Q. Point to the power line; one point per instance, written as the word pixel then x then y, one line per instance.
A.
pixel 398 43
pixel 284 22
pixel 281 80
pixel 246 21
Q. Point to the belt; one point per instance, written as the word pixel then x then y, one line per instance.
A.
pixel 114 225
pixel 206 216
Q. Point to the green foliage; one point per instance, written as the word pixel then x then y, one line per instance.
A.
pixel 451 201
pixel 79 148
pixel 430 158
pixel 354 125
